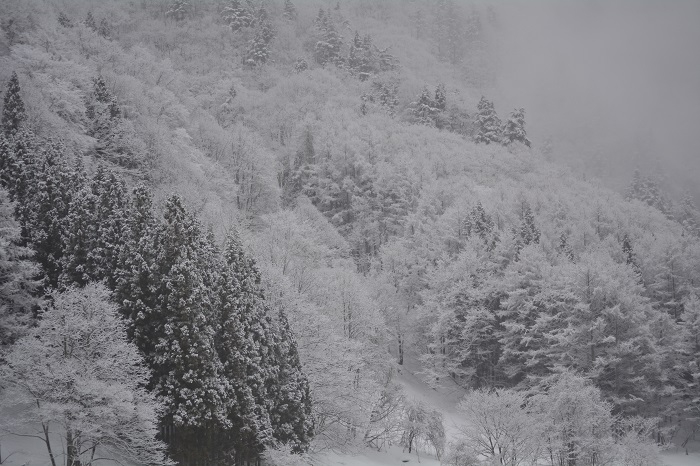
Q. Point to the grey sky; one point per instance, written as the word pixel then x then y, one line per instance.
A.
pixel 624 74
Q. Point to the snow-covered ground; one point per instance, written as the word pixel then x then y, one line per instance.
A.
pixel 31 452
pixel 445 399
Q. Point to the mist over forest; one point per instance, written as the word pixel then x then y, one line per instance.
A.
pixel 355 232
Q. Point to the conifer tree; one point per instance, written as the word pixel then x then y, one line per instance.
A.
pixel 290 11
pixel 79 237
pixel 424 108
pixel 237 16
pixel 514 128
pixel 110 215
pixel 440 97
pixel 186 369
pixel 18 154
pixel 64 20
pixel 529 233
pixel 46 209
pixel 136 290
pixel 488 125
pixel 13 113
pixel 565 247
pixel 90 21
pixel 291 408
pixel 178 10
pixel 329 44
pixel 105 29
pixel 18 274
pixel 244 345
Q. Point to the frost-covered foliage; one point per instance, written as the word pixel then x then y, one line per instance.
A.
pixel 84 381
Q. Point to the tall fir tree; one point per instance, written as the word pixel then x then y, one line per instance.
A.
pixel 514 128
pixel 488 125
pixel 136 284
pixel 245 347
pixel 237 16
pixel 290 11
pixel 291 408
pixel 13 112
pixel 186 372
pixel 18 274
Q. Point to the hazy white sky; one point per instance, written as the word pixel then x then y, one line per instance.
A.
pixel 612 71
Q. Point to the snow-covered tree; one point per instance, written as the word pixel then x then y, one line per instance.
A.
pixel 514 128
pixel 90 21
pixel 290 11
pixel 13 112
pixel 499 427
pixel 178 10
pixel 237 16
pixel 488 125
pixel 81 379
pixel 17 277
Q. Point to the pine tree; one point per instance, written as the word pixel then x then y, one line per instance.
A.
pixel 329 44
pixel 105 29
pixel 178 10
pixel 514 128
pixel 237 16
pixel 186 369
pixel 136 284
pixel 17 277
pixel 18 154
pixel 64 20
pixel 689 216
pixel 529 233
pixel 488 125
pixel 291 408
pixel 110 215
pixel 79 238
pixel 424 108
pixel 440 97
pixel 43 216
pixel 290 11
pixel 244 346
pixel 259 52
pixel 90 21
pixel 13 113
pixel 565 247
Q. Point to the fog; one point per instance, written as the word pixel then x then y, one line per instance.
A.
pixel 617 79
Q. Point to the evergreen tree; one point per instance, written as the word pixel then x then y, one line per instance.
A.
pixel 291 408
pixel 64 20
pixel 17 277
pixel 244 346
pixel 178 10
pixel 440 97
pixel 514 128
pixel 529 233
pixel 136 284
pixel 110 215
pixel 105 29
pixel 627 250
pixel 290 11
pixel 237 16
pixel 79 238
pixel 689 216
pixel 90 21
pixel 329 44
pixel 186 372
pixel 258 51
pixel 13 113
pixel 488 125
pixel 18 154
pixel 565 247
pixel 424 108
pixel 43 216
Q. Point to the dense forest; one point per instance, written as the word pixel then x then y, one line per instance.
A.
pixel 227 228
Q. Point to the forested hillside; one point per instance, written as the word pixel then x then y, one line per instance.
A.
pixel 227 226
